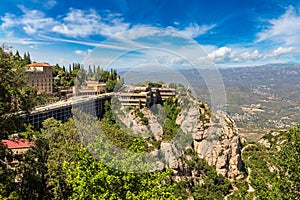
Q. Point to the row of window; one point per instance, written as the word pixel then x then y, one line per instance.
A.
pixel 42 79
pixel 37 84
pixel 41 75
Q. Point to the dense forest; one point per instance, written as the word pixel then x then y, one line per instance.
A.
pixel 59 166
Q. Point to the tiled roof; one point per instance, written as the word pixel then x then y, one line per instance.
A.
pixel 14 144
pixel 39 65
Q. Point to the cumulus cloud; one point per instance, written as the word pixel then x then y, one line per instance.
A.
pixel 281 51
pixel 247 56
pixel 85 23
pixel 84 53
pixel 228 55
pixel 221 55
pixel 285 29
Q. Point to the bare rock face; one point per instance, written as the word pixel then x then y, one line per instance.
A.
pixel 265 142
pixel 171 154
pixel 215 137
pixel 132 121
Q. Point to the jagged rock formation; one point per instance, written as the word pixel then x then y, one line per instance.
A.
pixel 214 136
pixel 130 119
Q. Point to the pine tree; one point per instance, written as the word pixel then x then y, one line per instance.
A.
pixel 27 58
pixel 18 55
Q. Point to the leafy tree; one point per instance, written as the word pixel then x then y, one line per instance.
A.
pixel 212 186
pixel 7 184
pixel 64 143
pixel 90 179
pixel 32 172
pixel 288 162
pixel 274 172
pixel 62 78
pixel 110 85
pixel 15 94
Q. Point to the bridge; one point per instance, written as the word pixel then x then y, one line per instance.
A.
pixel 62 110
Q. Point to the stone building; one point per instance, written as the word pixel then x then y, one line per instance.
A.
pixel 145 96
pixel 18 147
pixel 40 76
pixel 91 88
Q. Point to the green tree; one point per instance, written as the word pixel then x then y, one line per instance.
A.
pixel 7 175
pixel 275 171
pixel 90 179
pixel 64 143
pixel 27 58
pixel 32 171
pixel 288 162
pixel 170 128
pixel 110 85
pixel 15 94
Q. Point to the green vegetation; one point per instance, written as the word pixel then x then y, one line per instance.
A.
pixel 151 84
pixel 211 185
pixel 63 78
pixel 140 114
pixel 170 128
pixel 15 94
pixel 274 173
pixel 77 75
pixel 59 166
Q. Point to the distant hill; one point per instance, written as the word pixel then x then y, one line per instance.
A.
pixel 259 98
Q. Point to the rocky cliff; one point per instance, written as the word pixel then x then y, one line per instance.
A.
pixel 213 135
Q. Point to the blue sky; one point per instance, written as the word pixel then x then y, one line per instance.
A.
pixel 231 33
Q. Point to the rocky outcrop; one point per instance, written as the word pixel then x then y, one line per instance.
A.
pixel 214 137
pixel 152 129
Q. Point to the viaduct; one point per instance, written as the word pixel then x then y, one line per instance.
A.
pixel 62 110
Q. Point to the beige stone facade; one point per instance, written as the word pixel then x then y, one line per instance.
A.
pixel 40 76
pixel 145 96
pixel 91 88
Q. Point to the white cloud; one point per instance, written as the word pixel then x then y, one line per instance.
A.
pixel 49 4
pixel 281 51
pixel 221 55
pixel 285 29
pixel 228 55
pixel 84 23
pixel 79 52
pixel 247 56
pixel 76 23
pixel 84 53
pixel 31 21
pixel 23 41
pixel 79 23
pixel 194 30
